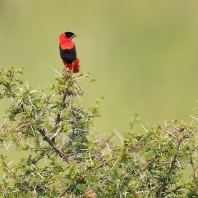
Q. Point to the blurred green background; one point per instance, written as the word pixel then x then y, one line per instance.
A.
pixel 143 54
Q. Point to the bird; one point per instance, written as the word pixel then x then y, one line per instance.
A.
pixel 68 52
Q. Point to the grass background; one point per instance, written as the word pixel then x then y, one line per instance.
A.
pixel 143 54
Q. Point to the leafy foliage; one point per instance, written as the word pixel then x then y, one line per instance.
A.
pixel 63 160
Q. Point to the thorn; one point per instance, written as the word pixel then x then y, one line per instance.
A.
pixel 193 117
pixel 81 76
pixel 6 147
pixel 119 135
pixel 55 71
pixel 144 127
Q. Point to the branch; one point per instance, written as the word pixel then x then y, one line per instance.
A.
pixel 55 148
pixel 86 175
pixel 165 180
pixel 193 166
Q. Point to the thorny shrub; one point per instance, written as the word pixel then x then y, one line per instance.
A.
pixel 62 158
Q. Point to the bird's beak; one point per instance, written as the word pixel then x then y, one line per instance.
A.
pixel 74 35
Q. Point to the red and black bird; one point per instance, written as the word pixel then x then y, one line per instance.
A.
pixel 68 52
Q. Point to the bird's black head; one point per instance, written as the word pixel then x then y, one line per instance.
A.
pixel 70 35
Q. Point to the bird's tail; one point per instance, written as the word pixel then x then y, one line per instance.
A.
pixel 74 67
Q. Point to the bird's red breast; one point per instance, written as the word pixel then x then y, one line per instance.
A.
pixel 65 43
